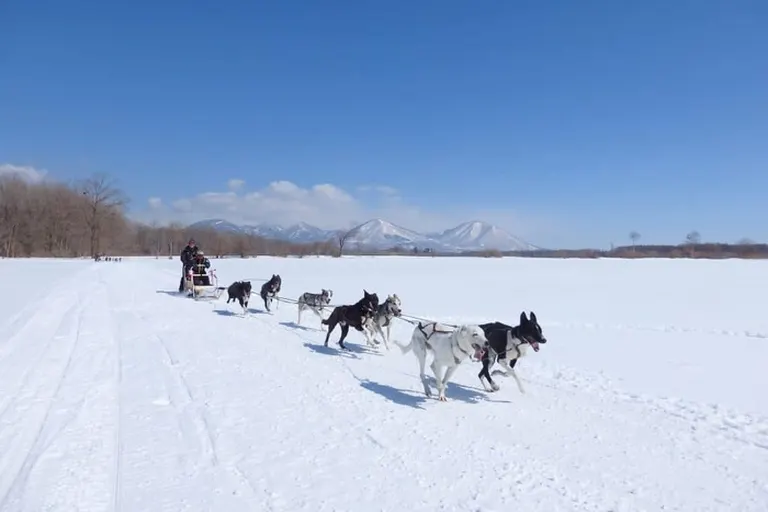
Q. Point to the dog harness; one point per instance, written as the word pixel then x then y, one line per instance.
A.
pixel 453 345
pixel 516 335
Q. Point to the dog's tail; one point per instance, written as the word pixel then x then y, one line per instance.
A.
pixel 333 317
pixel 404 348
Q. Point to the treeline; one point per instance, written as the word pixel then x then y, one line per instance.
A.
pixel 53 219
pixel 686 250
pixel 87 219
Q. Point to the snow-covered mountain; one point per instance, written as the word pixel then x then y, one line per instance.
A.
pixel 477 234
pixel 299 233
pixel 378 233
pixel 218 225
pixel 381 234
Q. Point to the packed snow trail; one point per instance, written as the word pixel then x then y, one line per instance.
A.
pixel 118 395
pixel 59 397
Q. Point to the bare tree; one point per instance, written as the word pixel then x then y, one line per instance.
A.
pixel 745 241
pixel 693 237
pixel 104 200
pixel 342 237
pixel 634 236
pixel 13 195
pixel 72 220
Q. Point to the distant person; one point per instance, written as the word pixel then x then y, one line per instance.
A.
pixel 199 265
pixel 187 256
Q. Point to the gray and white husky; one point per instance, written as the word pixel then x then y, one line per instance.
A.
pixel 315 302
pixel 387 310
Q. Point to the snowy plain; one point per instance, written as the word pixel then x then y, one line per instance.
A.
pixel 116 394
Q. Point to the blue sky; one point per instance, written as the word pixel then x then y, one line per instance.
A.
pixel 568 123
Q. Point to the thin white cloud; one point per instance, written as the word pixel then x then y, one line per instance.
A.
pixel 235 184
pixel 24 172
pixel 381 189
pixel 182 205
pixel 155 203
pixel 323 205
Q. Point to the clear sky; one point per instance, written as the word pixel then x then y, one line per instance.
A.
pixel 568 123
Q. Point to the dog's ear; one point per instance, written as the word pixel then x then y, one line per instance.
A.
pixel 365 293
pixel 523 318
pixel 533 318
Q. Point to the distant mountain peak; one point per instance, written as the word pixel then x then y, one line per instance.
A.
pixel 378 233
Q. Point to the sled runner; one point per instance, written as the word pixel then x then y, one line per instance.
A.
pixel 203 286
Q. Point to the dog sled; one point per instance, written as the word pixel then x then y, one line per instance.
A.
pixel 202 286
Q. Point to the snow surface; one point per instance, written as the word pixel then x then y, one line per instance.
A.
pixel 118 395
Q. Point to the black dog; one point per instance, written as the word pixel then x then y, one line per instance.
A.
pixel 507 344
pixel 240 291
pixel 355 315
pixel 270 289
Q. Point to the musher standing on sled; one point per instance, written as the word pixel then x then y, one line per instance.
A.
pixel 187 259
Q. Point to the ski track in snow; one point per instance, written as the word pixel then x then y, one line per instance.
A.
pixel 118 396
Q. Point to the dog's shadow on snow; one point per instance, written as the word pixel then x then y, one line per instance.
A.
pixel 331 351
pixel 294 325
pixel 226 312
pixel 239 312
pixel 172 293
pixel 395 395
pixel 362 349
pixel 453 392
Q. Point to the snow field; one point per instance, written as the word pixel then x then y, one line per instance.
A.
pixel 116 395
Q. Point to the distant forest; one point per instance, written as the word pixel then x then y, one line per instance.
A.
pixel 87 219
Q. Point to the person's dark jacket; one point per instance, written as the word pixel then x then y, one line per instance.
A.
pixel 199 264
pixel 187 255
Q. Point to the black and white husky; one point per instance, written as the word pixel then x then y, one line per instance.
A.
pixel 355 315
pixel 241 292
pixel 270 289
pixel 507 344
pixel 387 310
pixel 315 302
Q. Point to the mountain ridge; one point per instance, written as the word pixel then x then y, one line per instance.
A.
pixel 380 234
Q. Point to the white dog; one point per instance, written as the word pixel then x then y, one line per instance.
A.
pixel 450 348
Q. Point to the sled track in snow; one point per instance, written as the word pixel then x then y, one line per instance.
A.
pixel 121 398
